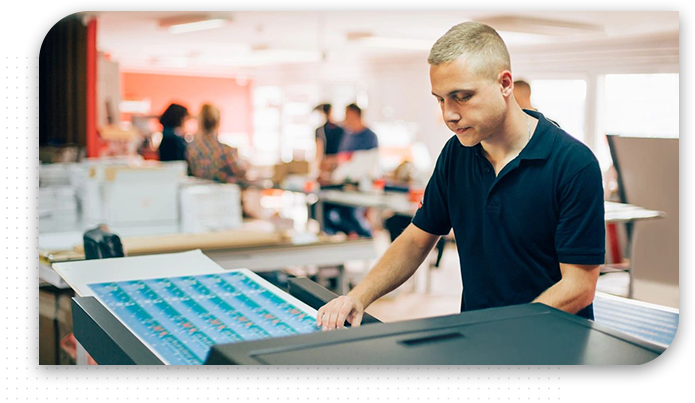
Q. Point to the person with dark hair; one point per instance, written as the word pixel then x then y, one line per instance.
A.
pixel 328 138
pixel 173 145
pixel 207 157
pixel 357 138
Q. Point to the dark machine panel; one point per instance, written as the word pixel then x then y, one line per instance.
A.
pixel 519 335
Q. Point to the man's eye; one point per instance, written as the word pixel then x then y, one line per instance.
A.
pixel 460 99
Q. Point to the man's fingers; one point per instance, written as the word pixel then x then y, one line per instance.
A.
pixel 319 315
pixel 334 314
pixel 335 309
pixel 356 319
pixel 343 314
pixel 323 314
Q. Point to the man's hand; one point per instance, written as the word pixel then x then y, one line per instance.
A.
pixel 334 314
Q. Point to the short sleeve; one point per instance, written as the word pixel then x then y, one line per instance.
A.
pixel 432 215
pixel 374 141
pixel 581 232
pixel 321 134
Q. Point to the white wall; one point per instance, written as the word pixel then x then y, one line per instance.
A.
pixel 402 89
pixel 401 86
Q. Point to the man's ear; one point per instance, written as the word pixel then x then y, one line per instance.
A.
pixel 506 83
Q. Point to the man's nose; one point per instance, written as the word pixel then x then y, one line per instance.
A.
pixel 450 113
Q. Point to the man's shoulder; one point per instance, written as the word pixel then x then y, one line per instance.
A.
pixel 367 138
pixel 569 153
pixel 571 148
pixel 367 132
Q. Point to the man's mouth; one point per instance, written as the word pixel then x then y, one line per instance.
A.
pixel 461 130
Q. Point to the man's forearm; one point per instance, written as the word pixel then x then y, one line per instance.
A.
pixel 400 261
pixel 568 296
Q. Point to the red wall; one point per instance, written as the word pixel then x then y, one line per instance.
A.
pixel 92 137
pixel 233 100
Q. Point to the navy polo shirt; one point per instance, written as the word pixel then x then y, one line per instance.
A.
pixel 364 140
pixel 513 230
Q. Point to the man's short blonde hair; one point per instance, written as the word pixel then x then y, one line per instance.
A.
pixel 480 44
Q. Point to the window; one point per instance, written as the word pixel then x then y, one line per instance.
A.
pixel 282 124
pixel 267 109
pixel 637 105
pixel 641 105
pixel 562 101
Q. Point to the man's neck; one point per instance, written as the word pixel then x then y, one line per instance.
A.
pixel 358 128
pixel 512 137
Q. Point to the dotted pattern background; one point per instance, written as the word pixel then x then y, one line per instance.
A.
pixel 23 375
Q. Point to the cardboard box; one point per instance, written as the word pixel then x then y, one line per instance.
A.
pixel 213 207
pixel 141 196
pixel 290 168
pixel 101 184
pixel 88 178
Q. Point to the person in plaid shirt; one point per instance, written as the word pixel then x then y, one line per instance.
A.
pixel 207 157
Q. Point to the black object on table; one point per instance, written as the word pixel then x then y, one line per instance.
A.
pixel 100 243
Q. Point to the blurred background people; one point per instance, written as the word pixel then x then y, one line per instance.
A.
pixel 522 94
pixel 357 136
pixel 328 139
pixel 356 152
pixel 173 145
pixel 207 157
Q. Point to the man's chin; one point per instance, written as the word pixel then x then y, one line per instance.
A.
pixel 467 141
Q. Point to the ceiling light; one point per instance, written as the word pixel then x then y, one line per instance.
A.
pixel 190 23
pixel 196 26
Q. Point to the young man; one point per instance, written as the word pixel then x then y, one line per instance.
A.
pixel 358 136
pixel 524 198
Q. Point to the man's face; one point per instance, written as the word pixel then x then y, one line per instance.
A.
pixel 473 106
pixel 352 120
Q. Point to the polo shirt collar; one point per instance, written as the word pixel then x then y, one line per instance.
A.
pixel 541 143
